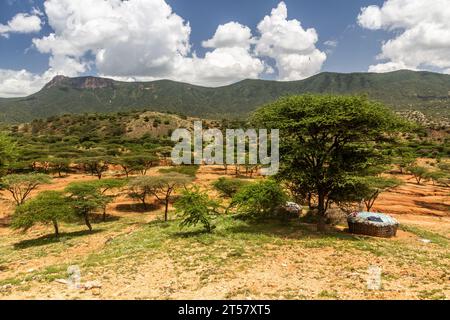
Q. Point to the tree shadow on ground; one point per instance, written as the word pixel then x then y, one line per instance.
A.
pixel 295 230
pixel 137 207
pixel 5 221
pixel 433 206
pixel 191 234
pixel 98 218
pixel 51 238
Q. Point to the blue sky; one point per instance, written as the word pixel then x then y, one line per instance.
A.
pixel 216 42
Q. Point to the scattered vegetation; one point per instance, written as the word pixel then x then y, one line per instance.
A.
pixel 336 152
pixel 85 198
pixel 161 187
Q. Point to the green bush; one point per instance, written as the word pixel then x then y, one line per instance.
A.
pixel 259 200
pixel 187 170
pixel 196 207
pixel 229 187
pixel 419 173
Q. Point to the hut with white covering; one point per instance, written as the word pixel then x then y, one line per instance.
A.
pixel 372 224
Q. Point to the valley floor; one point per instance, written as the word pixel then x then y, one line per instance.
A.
pixel 136 256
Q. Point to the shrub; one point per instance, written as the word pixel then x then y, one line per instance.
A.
pixel 196 207
pixel 419 173
pixel 190 170
pixel 438 177
pixel 259 200
pixel 229 187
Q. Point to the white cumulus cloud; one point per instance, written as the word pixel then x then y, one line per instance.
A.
pixel 127 38
pixel 20 83
pixel 232 34
pixel 22 23
pixel 421 32
pixel 292 47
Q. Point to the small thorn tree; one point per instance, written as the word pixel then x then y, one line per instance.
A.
pixel 96 166
pixel 106 185
pixel 161 187
pixel 60 166
pixel 21 185
pixel 363 190
pixel 85 198
pixel 419 173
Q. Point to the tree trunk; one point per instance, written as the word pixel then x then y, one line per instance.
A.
pixel 86 220
pixel 104 214
pixel 166 218
pixel 371 201
pixel 322 212
pixel 309 200
pixel 55 225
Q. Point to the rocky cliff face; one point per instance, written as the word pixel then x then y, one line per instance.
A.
pixel 56 81
pixel 93 83
pixel 80 82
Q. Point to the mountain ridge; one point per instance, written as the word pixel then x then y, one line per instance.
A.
pixel 402 90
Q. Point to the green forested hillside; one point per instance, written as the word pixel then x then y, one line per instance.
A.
pixel 402 90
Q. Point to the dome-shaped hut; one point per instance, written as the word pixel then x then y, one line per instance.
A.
pixel 372 224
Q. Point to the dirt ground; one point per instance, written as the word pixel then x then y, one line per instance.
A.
pixel 289 263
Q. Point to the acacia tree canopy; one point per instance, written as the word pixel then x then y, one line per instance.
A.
pixel 48 207
pixel 84 198
pixel 363 190
pixel 21 185
pixel 106 185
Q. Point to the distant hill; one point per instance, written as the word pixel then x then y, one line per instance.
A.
pixel 402 90
pixel 103 126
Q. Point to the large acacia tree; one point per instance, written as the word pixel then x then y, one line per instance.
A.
pixel 326 141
